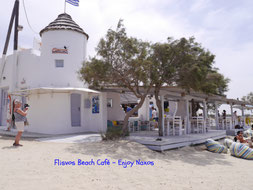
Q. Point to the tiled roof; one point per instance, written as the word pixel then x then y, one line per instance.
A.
pixel 64 22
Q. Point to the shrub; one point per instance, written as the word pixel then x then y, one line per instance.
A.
pixel 113 133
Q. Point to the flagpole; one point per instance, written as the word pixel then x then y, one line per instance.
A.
pixel 65 6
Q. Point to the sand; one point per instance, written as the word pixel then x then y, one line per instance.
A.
pixel 32 167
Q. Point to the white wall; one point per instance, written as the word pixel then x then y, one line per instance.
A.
pixel 67 76
pixel 50 114
pixel 28 69
pixel 143 112
pixel 104 112
pixel 172 107
pixel 181 110
pixel 115 112
pixel 7 71
pixel 94 122
pixel 40 71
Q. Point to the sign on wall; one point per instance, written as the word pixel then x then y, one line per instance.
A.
pixel 61 51
pixel 95 104
pixel 87 103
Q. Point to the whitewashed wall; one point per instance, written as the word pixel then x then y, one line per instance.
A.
pixel 7 71
pixel 181 110
pixel 94 122
pixel 50 114
pixel 40 71
pixel 104 112
pixel 143 112
pixel 115 112
pixel 67 76
pixel 28 69
pixel 172 107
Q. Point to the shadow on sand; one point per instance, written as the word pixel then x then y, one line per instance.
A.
pixel 10 147
pixel 8 138
pixel 123 149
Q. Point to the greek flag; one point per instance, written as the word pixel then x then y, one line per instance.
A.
pixel 73 2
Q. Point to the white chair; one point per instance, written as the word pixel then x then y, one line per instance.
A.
pixel 194 125
pixel 201 125
pixel 228 123
pixel 145 125
pixel 169 122
pixel 134 126
pixel 184 126
pixel 198 125
pixel 137 125
pixel 130 126
pixel 177 125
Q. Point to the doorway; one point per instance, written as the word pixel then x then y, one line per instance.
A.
pixel 3 107
pixel 75 104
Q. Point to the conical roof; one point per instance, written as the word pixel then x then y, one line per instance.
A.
pixel 64 22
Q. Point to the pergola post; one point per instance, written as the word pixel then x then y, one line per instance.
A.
pixel 162 101
pixel 243 116
pixel 188 123
pixel 216 115
pixel 232 123
pixel 205 115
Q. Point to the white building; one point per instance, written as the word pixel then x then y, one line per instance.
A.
pixel 59 101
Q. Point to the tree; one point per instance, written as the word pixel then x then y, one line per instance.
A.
pixel 130 63
pixel 184 63
pixel 214 84
pixel 120 61
pixel 248 98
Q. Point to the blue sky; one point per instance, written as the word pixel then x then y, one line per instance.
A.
pixel 225 27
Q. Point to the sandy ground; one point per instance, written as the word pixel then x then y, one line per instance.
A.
pixel 32 167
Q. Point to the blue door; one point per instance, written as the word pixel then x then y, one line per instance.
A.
pixel 75 104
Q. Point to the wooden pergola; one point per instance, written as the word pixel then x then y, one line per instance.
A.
pixel 179 94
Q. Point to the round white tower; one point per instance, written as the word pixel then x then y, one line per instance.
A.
pixel 63 51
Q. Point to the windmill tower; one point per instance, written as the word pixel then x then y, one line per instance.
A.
pixel 64 46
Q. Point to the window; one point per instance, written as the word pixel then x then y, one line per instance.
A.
pixel 109 102
pixel 59 63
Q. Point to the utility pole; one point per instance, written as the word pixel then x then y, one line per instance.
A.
pixel 13 84
pixel 14 15
pixel 15 48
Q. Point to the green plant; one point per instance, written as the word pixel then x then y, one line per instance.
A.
pixel 113 133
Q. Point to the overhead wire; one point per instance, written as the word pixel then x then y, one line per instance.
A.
pixel 28 19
